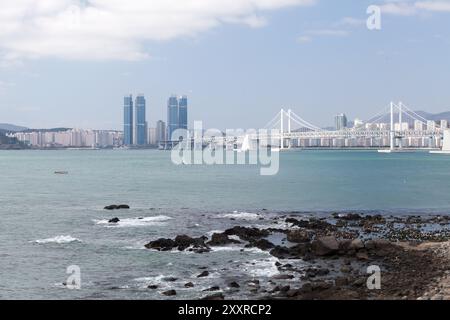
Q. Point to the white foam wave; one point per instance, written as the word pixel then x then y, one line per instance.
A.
pixel 135 222
pixel 59 240
pixel 240 215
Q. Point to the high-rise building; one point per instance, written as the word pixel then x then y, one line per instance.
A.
pixel 177 114
pixel 340 121
pixel 183 112
pixel 128 127
pixel 444 124
pixel 140 121
pixel 160 131
pixel 172 116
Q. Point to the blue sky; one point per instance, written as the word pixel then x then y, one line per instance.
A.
pixel 239 65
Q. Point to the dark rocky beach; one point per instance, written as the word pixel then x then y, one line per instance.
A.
pixel 329 257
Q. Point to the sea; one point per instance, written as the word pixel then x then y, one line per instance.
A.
pixel 52 224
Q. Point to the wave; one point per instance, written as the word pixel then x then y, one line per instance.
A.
pixel 58 239
pixel 240 215
pixel 135 222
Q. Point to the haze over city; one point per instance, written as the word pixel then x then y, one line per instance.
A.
pixel 69 63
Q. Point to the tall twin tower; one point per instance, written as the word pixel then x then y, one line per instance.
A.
pixel 135 125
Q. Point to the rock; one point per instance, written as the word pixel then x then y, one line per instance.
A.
pixel 218 239
pixel 299 236
pixel 153 286
pixel 117 207
pixel 189 285
pixel 169 293
pixel 325 246
pixel 216 296
pixel 285 289
pixel 247 233
pixel 350 216
pixel 341 281
pixel 283 277
pixel 170 279
pixel 234 285
pixel 111 207
pixel 203 274
pixel 114 220
pixel 292 293
pixel 362 255
pixel 161 244
pixel 214 288
pixel 356 244
pixel 262 244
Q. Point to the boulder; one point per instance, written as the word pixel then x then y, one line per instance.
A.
pixel 169 293
pixel 189 285
pixel 114 220
pixel 247 233
pixel 111 207
pixel 234 284
pixel 299 236
pixel 123 206
pixel 214 288
pixel 161 244
pixel 216 296
pixel 203 274
pixel 325 246
pixel 219 239
pixel 262 244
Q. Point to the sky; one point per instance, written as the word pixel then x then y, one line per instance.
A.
pixel 68 63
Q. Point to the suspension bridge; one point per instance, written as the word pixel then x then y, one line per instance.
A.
pixel 386 130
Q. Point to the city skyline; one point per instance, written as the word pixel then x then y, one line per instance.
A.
pixel 318 57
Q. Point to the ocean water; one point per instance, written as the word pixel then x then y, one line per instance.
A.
pixel 49 222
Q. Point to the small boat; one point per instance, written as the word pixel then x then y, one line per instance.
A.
pixel 61 172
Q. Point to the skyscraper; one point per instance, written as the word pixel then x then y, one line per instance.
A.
pixel 340 121
pixel 183 112
pixel 141 123
pixel 172 116
pixel 160 131
pixel 128 120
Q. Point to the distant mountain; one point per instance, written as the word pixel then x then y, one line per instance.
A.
pixel 11 127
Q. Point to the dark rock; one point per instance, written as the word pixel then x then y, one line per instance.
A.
pixel 114 220
pixel 153 286
pixel 247 233
pixel 299 236
pixel 170 279
pixel 189 285
pixel 283 277
pixel 218 239
pixel 234 284
pixel 161 244
pixel 325 246
pixel 262 244
pixel 117 207
pixel 169 293
pixel 292 293
pixel 214 288
pixel 216 296
pixel 203 274
pixel 350 216
pixel 111 207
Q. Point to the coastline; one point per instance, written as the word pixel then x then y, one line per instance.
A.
pixel 413 254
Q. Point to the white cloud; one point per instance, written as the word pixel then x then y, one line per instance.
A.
pixel 116 29
pixel 411 8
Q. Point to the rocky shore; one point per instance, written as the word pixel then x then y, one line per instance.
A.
pixel 334 257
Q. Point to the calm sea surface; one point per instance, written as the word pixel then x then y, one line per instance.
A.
pixel 49 222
